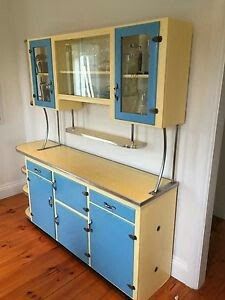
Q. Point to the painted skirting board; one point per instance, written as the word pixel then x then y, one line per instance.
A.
pixel 11 188
pixel 179 269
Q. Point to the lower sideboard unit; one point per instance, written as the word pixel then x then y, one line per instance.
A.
pixel 129 241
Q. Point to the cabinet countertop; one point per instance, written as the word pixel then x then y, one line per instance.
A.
pixel 120 180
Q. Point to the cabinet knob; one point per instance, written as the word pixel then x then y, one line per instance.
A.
pixel 154 110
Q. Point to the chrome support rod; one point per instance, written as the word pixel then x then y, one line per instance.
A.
pixel 58 127
pixel 175 153
pixel 163 162
pixel 72 115
pixel 132 145
pixel 47 129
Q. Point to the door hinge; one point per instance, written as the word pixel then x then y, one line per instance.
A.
pixel 54 185
pixel 57 220
pixel 28 179
pixel 30 51
pixel 133 237
pixel 132 287
pixel 87 254
pixel 154 110
pixel 85 193
pixel 157 39
pixel 31 214
pixel 50 201
pixel 86 209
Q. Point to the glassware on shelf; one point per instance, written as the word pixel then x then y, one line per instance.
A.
pixel 41 63
pixel 85 70
pixel 142 103
pixel 132 59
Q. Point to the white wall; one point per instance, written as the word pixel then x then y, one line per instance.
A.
pixel 11 124
pixel 45 17
pixel 219 206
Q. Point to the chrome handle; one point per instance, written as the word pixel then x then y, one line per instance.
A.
pixel 37 171
pixel 109 206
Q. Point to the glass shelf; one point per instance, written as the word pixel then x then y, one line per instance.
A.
pixel 80 72
pixel 134 76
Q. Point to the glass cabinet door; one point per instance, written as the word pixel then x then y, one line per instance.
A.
pixel 83 67
pixel 42 73
pixel 136 73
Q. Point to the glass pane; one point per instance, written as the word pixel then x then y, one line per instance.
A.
pixel 42 75
pixel 83 67
pixel 135 66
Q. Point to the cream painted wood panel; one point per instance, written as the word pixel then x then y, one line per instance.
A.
pixel 156 243
pixel 124 181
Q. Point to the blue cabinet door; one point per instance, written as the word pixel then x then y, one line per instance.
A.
pixel 41 199
pixel 71 193
pixel 71 232
pixel 136 72
pixel 42 72
pixel 112 250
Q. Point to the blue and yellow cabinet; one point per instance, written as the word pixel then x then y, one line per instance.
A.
pixel 128 244
pixel 151 72
pixel 42 72
pixel 140 70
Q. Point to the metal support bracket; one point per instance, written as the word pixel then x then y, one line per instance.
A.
pixel 175 153
pixel 163 163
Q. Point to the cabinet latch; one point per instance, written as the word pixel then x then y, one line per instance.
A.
pixel 133 237
pixel 132 287
pixel 157 39
pixel 57 220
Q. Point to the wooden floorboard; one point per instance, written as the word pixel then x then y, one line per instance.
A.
pixel 34 266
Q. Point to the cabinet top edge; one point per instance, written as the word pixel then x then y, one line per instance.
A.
pixel 110 176
pixel 102 30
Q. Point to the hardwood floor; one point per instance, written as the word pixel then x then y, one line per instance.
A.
pixel 33 266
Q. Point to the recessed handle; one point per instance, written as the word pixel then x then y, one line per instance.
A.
pixel 109 206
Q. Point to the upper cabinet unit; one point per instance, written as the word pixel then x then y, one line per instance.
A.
pixel 42 72
pixel 84 66
pixel 151 72
pixel 141 70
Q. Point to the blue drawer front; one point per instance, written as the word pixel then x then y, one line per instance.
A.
pixel 114 206
pixel 71 193
pixel 39 170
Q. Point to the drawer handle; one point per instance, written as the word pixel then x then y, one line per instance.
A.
pixel 37 170
pixel 109 206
